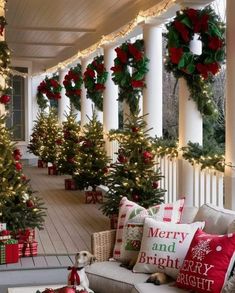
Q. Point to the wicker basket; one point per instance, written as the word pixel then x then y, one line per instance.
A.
pixel 102 244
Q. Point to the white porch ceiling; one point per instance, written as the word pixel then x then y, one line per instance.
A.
pixel 49 31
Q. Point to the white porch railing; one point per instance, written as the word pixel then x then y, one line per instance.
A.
pixel 208 184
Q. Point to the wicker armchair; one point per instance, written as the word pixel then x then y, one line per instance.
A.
pixel 102 244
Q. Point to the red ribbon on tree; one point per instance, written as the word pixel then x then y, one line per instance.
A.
pixel 74 277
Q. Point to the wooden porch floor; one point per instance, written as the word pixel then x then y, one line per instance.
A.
pixel 69 222
pixel 68 226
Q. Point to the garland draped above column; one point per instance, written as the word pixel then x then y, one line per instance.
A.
pixel 129 70
pixel 197 70
pixel 94 78
pixel 73 84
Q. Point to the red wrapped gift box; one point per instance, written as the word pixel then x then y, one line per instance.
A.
pixel 70 184
pixel 9 251
pixel 94 196
pixel 52 170
pixel 27 235
pixel 42 164
pixel 28 249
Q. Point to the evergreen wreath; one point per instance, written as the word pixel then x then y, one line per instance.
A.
pixel 94 78
pixel 49 87
pixel 130 55
pixel 72 84
pixel 197 70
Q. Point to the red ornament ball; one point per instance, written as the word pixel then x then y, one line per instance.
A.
pixel 136 197
pixel 18 166
pixel 59 141
pixel 5 99
pixel 135 129
pixel 122 159
pixel 155 185
pixel 23 177
pixel 17 157
pixel 105 170
pixel 71 160
pixel 147 155
pixel 29 203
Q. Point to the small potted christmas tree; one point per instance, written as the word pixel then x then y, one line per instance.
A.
pixel 92 160
pixel 69 149
pixel 134 174
pixel 37 137
pixel 52 133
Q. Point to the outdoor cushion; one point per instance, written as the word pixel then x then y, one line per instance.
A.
pixel 150 288
pixel 108 276
pixel 188 214
pixel 217 219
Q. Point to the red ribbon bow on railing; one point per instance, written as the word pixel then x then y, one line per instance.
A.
pixel 74 277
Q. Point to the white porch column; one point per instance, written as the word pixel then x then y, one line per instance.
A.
pixel 190 129
pixel 230 108
pixel 110 103
pixel 152 100
pixel 2 38
pixel 63 103
pixel 86 104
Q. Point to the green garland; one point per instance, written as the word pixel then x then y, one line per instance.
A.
pixel 130 55
pixel 197 70
pixel 50 88
pixel 95 77
pixel 4 56
pixel 72 84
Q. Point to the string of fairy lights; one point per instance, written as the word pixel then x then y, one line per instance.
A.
pixel 142 17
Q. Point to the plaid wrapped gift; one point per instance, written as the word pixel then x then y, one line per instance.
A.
pixel 27 235
pixel 9 251
pixel 28 249
pixel 70 184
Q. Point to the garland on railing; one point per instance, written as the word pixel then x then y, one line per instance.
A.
pixel 197 70
pixel 206 157
pixel 132 83
pixel 73 84
pixel 95 77
pixel 49 87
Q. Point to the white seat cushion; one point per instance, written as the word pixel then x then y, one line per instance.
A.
pixel 108 276
pixel 150 288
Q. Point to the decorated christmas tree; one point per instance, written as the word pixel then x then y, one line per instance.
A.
pixel 20 208
pixel 134 174
pixel 92 159
pixel 52 134
pixel 38 134
pixel 69 145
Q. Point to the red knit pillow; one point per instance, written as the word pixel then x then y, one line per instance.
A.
pixel 208 262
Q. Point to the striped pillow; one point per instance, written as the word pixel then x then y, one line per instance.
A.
pixel 130 212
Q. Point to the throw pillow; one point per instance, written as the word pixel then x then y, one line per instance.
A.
pixel 127 214
pixel 217 219
pixel 208 262
pixel 164 246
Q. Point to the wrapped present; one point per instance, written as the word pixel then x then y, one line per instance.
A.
pixel 5 235
pixel 42 164
pixel 9 251
pixel 70 184
pixel 93 196
pixel 27 235
pixel 52 170
pixel 28 249
pixel 3 226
